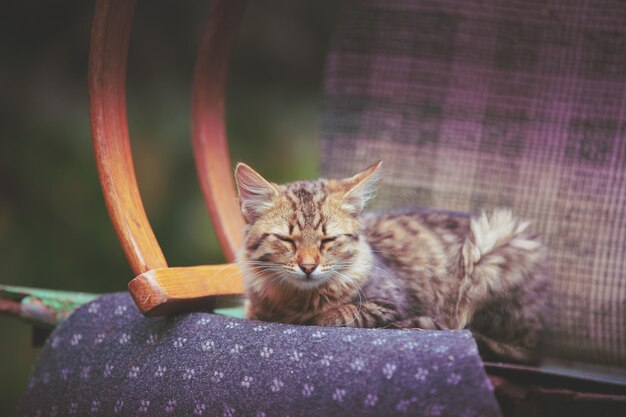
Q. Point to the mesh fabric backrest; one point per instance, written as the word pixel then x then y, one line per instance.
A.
pixel 480 104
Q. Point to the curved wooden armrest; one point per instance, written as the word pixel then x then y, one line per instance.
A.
pixel 108 54
pixel 170 290
pixel 210 146
pixel 159 290
pixel 107 92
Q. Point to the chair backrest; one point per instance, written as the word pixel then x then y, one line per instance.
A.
pixel 479 104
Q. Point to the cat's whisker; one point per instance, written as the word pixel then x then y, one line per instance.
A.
pixel 418 262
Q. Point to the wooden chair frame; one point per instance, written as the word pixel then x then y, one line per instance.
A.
pixel 159 289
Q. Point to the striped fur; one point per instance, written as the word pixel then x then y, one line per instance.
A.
pixel 406 269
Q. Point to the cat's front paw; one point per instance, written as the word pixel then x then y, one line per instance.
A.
pixel 344 316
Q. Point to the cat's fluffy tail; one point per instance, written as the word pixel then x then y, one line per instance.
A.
pixel 498 254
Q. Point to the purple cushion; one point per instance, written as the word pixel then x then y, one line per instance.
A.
pixel 108 360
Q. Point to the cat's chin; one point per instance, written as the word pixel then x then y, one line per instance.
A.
pixel 303 282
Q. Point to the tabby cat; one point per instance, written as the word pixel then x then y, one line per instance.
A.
pixel 310 256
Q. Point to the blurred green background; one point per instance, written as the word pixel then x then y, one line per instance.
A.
pixel 54 229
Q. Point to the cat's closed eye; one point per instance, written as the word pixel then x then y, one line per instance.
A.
pixel 326 241
pixel 287 240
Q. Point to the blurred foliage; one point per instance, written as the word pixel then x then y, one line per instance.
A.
pixel 54 229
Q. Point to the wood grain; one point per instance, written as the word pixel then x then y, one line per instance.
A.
pixel 159 290
pixel 107 102
pixel 210 145
pixel 170 290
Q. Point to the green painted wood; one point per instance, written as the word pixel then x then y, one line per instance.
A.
pixel 48 308
pixel 238 312
pixel 41 306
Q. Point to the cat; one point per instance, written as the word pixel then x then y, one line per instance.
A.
pixel 312 256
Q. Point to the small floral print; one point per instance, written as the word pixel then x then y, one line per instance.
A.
pixel 65 373
pixel 307 390
pixel 229 411
pixel 349 338
pixel 108 370
pixel 56 340
pixel 143 406
pixel 318 335
pixel 204 321
pixel 73 408
pixel 180 342
pixel 208 345
pixel 403 405
pixel 54 411
pixel 160 370
pixel 388 370
pixel 441 349
pixel 453 379
pixel 120 310
pixel 339 394
pixel 236 349
pixel 289 331
pixel 93 308
pixel 326 360
pixel 84 372
pixel 266 352
pixel 434 410
pixel 379 342
pixel 260 328
pixel 169 407
pixel 46 378
pixel 421 374
pixel 370 400
pixel 188 373
pixel 357 364
pixel 295 356
pixel 151 340
pixel 134 371
pixel 411 345
pixel 232 325
pixel 277 385
pixel 247 381
pixel 199 409
pixel 124 338
pixel 76 338
pixel 95 405
pixel 119 404
pixel 260 414
pixel 99 338
pixel 217 376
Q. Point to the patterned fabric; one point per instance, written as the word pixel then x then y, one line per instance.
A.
pixel 481 104
pixel 108 360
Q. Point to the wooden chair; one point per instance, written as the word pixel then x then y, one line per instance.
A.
pixel 374 125
pixel 160 290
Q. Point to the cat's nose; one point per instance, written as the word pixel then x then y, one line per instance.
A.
pixel 307 268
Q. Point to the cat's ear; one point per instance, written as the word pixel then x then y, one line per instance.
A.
pixel 361 187
pixel 256 194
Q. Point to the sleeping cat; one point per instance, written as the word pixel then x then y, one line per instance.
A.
pixel 310 256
